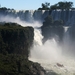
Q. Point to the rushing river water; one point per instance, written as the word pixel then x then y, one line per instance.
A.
pixel 51 56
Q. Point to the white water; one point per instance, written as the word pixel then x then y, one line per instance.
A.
pixel 37 39
pixel 66 28
pixel 48 54
pixel 50 66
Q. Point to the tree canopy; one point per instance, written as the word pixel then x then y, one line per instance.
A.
pixel 62 5
pixel 45 6
pixel 59 5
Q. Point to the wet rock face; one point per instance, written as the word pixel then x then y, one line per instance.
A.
pixel 36 69
pixel 14 64
pixel 15 42
pixel 59 65
pixel 53 32
pixel 52 29
pixel 51 73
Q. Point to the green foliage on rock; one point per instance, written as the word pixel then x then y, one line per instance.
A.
pixel 49 19
pixel 15 38
pixel 13 64
pixel 15 42
pixel 50 22
pixel 62 5
pixel 52 29
pixel 45 6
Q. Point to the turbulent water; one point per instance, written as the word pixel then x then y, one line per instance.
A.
pixel 67 66
pixel 50 54
pixel 68 16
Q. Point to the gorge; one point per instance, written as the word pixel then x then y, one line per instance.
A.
pixel 53 45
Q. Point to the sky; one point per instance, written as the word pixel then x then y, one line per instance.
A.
pixel 28 4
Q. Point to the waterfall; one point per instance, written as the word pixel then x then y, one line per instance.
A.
pixel 39 15
pixel 66 28
pixel 52 55
pixel 66 15
pixel 26 15
pixel 37 37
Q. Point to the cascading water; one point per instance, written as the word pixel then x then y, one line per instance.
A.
pixel 51 55
pixel 66 15
pixel 30 15
pixel 66 28
pixel 37 39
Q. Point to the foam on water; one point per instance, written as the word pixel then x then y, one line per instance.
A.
pixel 51 57
pixel 49 53
pixel 68 67
pixel 66 64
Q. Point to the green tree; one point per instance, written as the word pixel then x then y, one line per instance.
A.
pixel 45 6
pixel 49 19
pixel 65 5
pixel 62 5
pixel 53 7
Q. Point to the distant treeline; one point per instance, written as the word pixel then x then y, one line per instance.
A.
pixel 4 8
pixel 60 5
